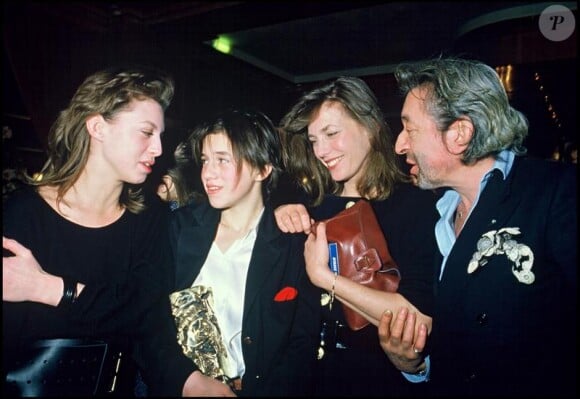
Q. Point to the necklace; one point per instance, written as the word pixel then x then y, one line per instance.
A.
pixel 458 220
pixel 460 211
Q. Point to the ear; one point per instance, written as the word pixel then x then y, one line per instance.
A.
pixel 459 135
pixel 264 173
pixel 95 124
pixel 168 182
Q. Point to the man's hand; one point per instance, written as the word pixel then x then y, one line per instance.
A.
pixel 401 341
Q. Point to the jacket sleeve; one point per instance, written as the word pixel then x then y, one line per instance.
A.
pixel 160 358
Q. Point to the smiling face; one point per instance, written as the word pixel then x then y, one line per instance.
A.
pixel 224 182
pixel 422 143
pixel 340 143
pixel 130 142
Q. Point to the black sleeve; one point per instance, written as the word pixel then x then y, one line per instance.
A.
pixel 409 225
pixel 286 192
pixel 156 351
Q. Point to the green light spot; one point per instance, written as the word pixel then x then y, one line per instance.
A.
pixel 223 45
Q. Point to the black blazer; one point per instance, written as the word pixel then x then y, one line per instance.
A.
pixel 279 338
pixel 492 334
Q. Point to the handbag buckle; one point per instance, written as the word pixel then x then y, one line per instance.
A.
pixel 369 260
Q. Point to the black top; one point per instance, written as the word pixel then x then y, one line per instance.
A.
pixel 407 219
pixel 126 267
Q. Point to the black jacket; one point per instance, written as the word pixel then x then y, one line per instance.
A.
pixel 279 338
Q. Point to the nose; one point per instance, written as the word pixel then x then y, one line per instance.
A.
pixel 208 170
pixel 402 143
pixel 320 148
pixel 156 148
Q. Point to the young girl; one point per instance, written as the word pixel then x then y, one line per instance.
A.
pixel 265 306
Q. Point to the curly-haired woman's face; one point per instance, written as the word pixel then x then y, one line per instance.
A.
pixel 340 143
pixel 131 141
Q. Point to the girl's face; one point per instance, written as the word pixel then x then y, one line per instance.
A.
pixel 226 184
pixel 340 143
pixel 131 141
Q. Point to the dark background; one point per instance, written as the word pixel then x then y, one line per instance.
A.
pixel 282 49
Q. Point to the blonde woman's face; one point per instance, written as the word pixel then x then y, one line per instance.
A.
pixel 131 141
pixel 340 143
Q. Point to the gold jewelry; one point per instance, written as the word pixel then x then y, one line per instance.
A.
pixel 332 292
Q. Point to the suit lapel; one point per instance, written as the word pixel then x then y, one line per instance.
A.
pixel 195 241
pixel 496 204
pixel 264 261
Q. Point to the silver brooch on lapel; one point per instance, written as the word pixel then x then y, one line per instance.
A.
pixel 500 242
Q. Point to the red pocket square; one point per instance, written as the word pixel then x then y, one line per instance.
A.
pixel 286 294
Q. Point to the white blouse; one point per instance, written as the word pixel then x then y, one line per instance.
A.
pixel 226 273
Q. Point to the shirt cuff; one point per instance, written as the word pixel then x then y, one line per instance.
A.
pixel 421 376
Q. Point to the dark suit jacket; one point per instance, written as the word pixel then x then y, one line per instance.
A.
pixel 279 338
pixel 496 336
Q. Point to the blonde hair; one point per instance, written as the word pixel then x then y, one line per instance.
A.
pixel 106 92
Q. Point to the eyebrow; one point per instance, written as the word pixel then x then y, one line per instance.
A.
pixel 152 124
pixel 216 153
pixel 326 128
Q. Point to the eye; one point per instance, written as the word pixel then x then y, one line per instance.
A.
pixel 147 133
pixel 332 133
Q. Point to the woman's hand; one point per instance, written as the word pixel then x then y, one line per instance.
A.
pixel 198 385
pixel 316 258
pixel 23 279
pixel 293 218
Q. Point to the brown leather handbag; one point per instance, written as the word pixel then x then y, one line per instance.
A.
pixel 359 251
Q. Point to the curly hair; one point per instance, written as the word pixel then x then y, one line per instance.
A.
pixel 106 92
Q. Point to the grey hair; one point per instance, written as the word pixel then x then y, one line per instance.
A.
pixel 466 89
